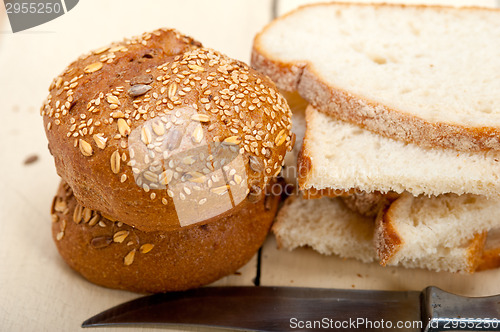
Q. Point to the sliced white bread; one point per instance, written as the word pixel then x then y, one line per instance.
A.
pixel 440 233
pixel 329 227
pixel 422 74
pixel 325 225
pixel 342 156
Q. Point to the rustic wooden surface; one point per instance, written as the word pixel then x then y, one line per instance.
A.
pixel 38 292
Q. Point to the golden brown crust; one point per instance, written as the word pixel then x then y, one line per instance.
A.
pixel 115 255
pixel 138 127
pixel 475 252
pixel 301 76
pixel 386 239
pixel 490 259
pixel 304 164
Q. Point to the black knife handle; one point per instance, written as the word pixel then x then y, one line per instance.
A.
pixel 443 311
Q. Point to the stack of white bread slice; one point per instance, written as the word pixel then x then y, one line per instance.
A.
pixel 400 162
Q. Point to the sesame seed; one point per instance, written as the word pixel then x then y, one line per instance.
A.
pixel 139 90
pixel 100 242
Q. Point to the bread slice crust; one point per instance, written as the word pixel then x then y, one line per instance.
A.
pixel 303 77
pixel 336 156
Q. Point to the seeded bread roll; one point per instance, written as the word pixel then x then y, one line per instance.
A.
pixel 160 133
pixel 115 255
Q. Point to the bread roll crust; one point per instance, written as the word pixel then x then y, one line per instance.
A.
pixel 115 255
pixel 127 121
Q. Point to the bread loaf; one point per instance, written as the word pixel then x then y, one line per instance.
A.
pixel 113 254
pixel 414 73
pixel 447 233
pixel 341 156
pixel 161 133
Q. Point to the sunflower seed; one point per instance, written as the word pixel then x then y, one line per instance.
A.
pixel 85 147
pixel 120 236
pixel 101 242
pixel 255 164
pixel 138 90
pixel 196 177
pixel 173 139
pixel 93 67
pixel 220 190
pixel 145 248
pixel 164 201
pixel 142 79
pixel 115 162
pixel 59 236
pixel 123 127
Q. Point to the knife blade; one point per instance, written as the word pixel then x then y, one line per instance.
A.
pixel 295 308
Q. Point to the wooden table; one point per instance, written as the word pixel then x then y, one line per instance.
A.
pixel 38 292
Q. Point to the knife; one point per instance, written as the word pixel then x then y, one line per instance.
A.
pixel 311 309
